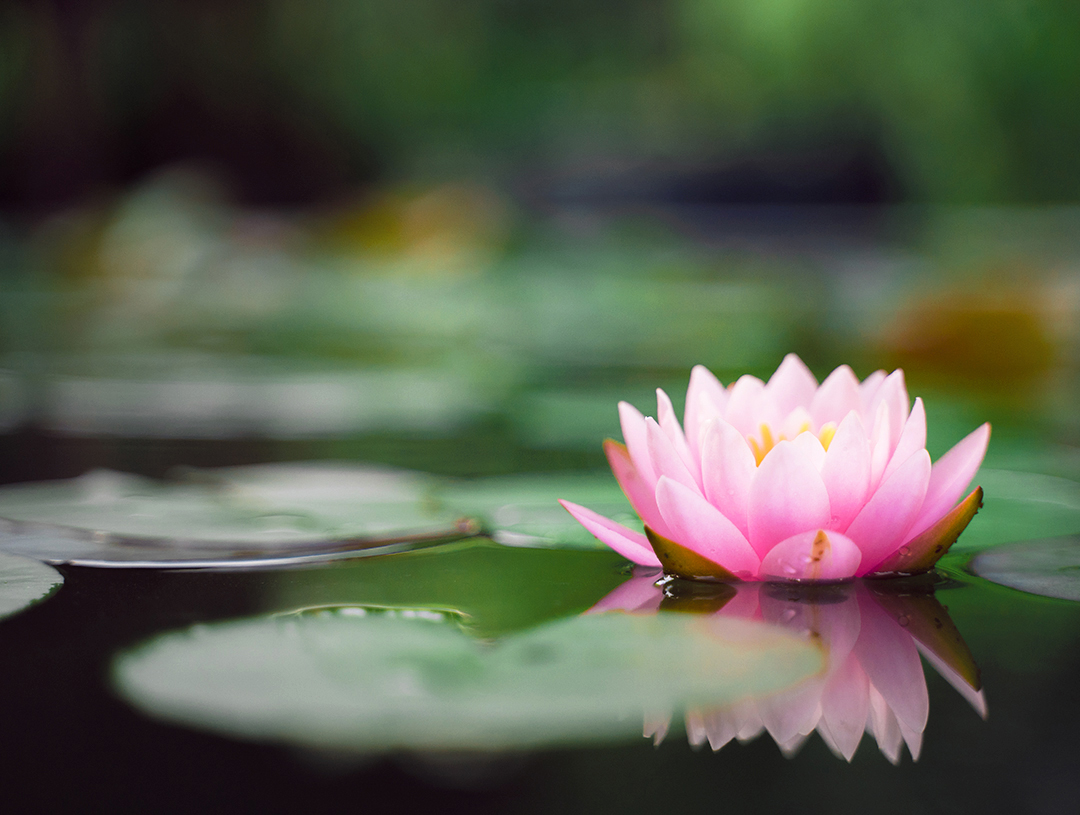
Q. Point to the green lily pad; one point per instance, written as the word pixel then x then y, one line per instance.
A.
pixel 242 516
pixel 523 510
pixel 24 581
pixel 356 680
pixel 496 589
pixel 1021 506
pixel 1050 567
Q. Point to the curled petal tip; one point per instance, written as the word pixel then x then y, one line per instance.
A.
pixel 922 552
pixel 679 561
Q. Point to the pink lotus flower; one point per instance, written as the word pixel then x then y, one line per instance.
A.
pixel 788 480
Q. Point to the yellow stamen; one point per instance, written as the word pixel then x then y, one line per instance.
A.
pixel 768 442
pixel 825 435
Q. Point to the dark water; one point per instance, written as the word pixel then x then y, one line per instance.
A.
pixel 69 743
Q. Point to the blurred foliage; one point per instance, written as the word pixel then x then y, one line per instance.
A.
pixel 970 101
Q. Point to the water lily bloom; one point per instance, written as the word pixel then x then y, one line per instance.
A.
pixel 788 480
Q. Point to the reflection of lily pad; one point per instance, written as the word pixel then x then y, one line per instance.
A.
pixel 382 682
pixel 1021 506
pixel 24 581
pixel 523 510
pixel 238 516
pixel 1047 567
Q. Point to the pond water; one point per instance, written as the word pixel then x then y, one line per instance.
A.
pixel 410 619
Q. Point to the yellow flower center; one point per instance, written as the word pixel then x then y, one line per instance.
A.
pixel 769 441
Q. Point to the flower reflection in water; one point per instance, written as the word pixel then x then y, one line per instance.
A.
pixel 873 631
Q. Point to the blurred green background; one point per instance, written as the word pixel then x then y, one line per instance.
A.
pixel 453 235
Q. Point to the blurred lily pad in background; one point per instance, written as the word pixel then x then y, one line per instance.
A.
pixel 1049 567
pixel 24 581
pixel 381 682
pixel 523 510
pixel 1018 506
pixel 228 517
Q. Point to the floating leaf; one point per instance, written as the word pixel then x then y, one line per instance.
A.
pixel 355 680
pixel 496 589
pixel 523 510
pixel 1047 567
pixel 242 516
pixel 1021 506
pixel 24 581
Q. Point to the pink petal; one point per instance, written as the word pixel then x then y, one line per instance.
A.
pixel 912 438
pixel 642 496
pixel 793 713
pixel 665 415
pixel 880 444
pixel 629 544
pixel 665 458
pixel 727 469
pixel 810 445
pixel 705 400
pixel 633 431
pixel 699 526
pixel 884 727
pixel 796 422
pixel 845 706
pixel 950 477
pixel 787 496
pixel 975 698
pixel 792 385
pixel 745 408
pixel 812 556
pixel 639 593
pixel 888 655
pixel 836 398
pixel 882 524
pixel 846 471
pixel 893 393
pixel 868 388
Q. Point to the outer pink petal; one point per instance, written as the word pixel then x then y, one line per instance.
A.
pixel 846 471
pixel 893 392
pixel 665 457
pixel 642 496
pixel 792 385
pixel 745 409
pixel 912 438
pixel 869 388
pixel 882 524
pixel 665 415
pixel 629 544
pixel 639 593
pixel 880 444
pixel 705 400
pixel 787 496
pixel 888 655
pixel 699 526
pixel 633 431
pixel 845 707
pixel 836 398
pixel 727 470
pixel 812 556
pixel 950 478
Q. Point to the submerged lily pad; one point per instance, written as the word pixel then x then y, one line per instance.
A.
pixel 1047 567
pixel 354 680
pixel 24 581
pixel 233 517
pixel 523 510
